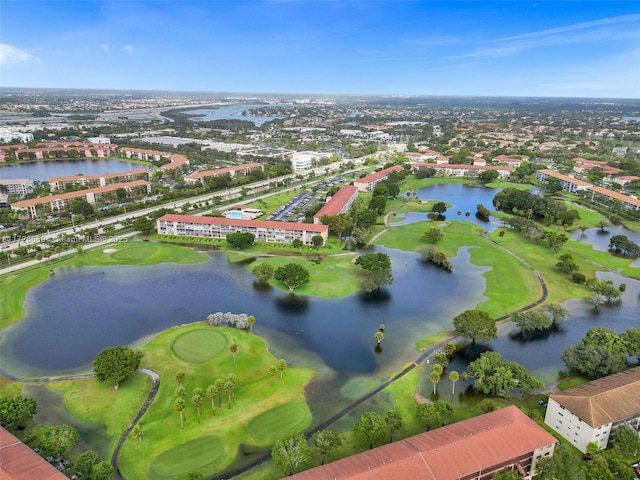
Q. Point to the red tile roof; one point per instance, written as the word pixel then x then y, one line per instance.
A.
pixel 338 201
pixel 80 193
pixel 447 453
pixel 618 196
pixel 98 176
pixel 375 176
pixel 19 462
pixel 172 217
pixel 225 170
pixel 566 178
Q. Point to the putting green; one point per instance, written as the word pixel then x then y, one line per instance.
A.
pixel 292 417
pixel 199 346
pixel 135 251
pixel 206 453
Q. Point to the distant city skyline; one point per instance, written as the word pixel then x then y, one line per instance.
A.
pixel 514 48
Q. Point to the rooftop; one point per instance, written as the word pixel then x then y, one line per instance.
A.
pixel 447 453
pixel 19 462
pixel 605 400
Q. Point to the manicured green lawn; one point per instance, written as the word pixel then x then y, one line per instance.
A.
pixel 600 257
pixel 14 287
pixel 544 260
pixel 510 284
pixel 165 451
pixel 269 426
pixel 323 275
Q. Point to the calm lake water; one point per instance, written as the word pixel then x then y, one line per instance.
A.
pixel 233 112
pixel 43 171
pixel 463 198
pixel 78 311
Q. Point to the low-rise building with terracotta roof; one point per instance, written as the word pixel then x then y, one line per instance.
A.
pixel 220 227
pixel 97 180
pixel 340 203
pixel 598 194
pixel 568 183
pixel 59 203
pixel 474 449
pixel 624 179
pixel 458 170
pixel 368 183
pixel 19 462
pixel 238 170
pixel 591 411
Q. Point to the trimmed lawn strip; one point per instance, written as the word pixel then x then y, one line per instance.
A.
pixel 14 289
pixel 433 340
pixel 285 419
pixel 323 275
pixel 510 284
pixel 256 392
pixel 194 455
pixel 559 284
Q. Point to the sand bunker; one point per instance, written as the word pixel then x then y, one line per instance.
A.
pixel 110 250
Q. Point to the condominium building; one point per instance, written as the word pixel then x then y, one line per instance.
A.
pixel 368 183
pixel 458 170
pixel 98 180
pixel 473 449
pixel 569 184
pixel 590 412
pixel 21 186
pixel 219 227
pixel 340 203
pixel 237 171
pixel 59 203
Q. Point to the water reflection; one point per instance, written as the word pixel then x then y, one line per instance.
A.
pixel 79 311
pixel 43 171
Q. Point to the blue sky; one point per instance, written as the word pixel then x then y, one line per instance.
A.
pixel 529 48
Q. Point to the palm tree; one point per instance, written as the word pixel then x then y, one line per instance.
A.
pixel 273 370
pixel 180 377
pixel 233 349
pixel 219 384
pixel 379 336
pixel 454 377
pixel 251 321
pixel 437 368
pixel 179 391
pixel 381 327
pixel 196 402
pixel 228 389
pixel 282 364
pixel 138 432
pixel 435 378
pixel 212 392
pixel 179 406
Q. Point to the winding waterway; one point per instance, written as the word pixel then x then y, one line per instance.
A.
pixel 75 313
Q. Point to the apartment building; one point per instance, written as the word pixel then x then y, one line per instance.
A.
pixel 98 180
pixel 237 171
pixel 591 411
pixel 220 227
pixel 340 203
pixel 21 186
pixel 368 183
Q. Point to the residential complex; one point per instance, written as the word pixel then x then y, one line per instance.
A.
pixel 453 170
pixel 100 180
pixel 217 227
pixel 569 184
pixel 305 160
pixel 340 203
pixel 473 449
pixel 368 183
pixel 59 203
pixel 237 171
pixel 590 412
pixel 22 186
pixel 597 194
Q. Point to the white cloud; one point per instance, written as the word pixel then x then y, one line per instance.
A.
pixel 12 55
pixel 104 46
pixel 128 48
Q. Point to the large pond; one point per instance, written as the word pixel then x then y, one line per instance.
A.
pixel 234 112
pixel 462 198
pixel 78 311
pixel 44 170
